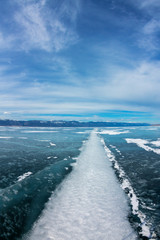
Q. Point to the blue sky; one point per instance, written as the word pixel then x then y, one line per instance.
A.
pixel 80 60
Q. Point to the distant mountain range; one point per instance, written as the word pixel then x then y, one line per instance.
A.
pixel 39 123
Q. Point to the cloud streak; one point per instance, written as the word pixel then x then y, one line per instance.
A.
pixel 37 26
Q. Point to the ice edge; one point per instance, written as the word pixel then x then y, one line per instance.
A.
pixel 125 185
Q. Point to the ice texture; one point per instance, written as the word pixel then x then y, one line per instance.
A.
pixel 125 184
pixel 52 144
pixel 144 144
pixel 156 143
pixel 4 137
pixel 89 204
pixel 38 131
pixel 20 178
pixel 113 132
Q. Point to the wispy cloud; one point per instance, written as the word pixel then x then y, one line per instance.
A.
pixel 149 28
pixel 137 86
pixel 149 4
pixel 33 27
pixel 44 28
pixel 149 36
pixel 6 42
pixel 41 25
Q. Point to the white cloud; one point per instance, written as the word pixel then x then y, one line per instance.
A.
pixel 6 113
pixel 149 35
pixel 133 90
pixel 46 28
pixel 6 42
pixel 34 29
pixel 149 3
pixel 149 26
pixel 43 25
pixel 137 86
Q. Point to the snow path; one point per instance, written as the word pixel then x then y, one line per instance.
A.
pixel 89 204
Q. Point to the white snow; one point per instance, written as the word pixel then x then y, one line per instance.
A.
pixel 52 144
pixel 3 137
pixel 43 140
pixel 113 132
pixel 22 137
pixel 84 132
pixel 38 131
pixel 117 150
pixel 143 144
pixel 20 178
pixel 156 143
pixel 131 194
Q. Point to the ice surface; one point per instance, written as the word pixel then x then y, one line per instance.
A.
pixel 125 184
pixel 38 131
pixel 117 150
pixel 156 143
pixel 5 137
pixel 22 137
pixel 52 144
pixel 43 140
pixel 84 132
pixel 89 204
pixel 143 144
pixel 20 178
pixel 113 132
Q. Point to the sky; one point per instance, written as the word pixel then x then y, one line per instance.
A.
pixel 87 60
